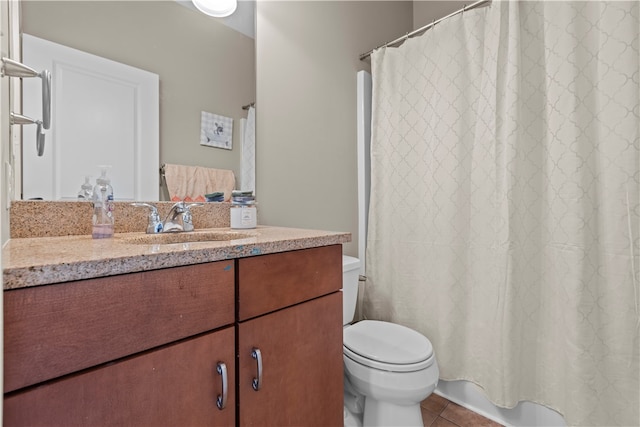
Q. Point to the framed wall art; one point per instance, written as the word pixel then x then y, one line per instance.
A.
pixel 216 131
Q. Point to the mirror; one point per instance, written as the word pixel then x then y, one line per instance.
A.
pixel 203 63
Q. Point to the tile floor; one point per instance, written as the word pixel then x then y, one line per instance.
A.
pixel 439 412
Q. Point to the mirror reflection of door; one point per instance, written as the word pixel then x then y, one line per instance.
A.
pixel 104 113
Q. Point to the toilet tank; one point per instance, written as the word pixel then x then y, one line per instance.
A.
pixel 350 274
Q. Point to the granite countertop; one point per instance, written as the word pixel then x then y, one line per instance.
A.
pixel 37 261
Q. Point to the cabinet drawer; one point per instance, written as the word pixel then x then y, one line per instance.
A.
pixel 54 330
pixel 172 386
pixel 270 282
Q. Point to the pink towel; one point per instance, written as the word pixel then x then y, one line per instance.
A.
pixel 191 183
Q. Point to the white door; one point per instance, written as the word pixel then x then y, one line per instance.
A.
pixel 103 113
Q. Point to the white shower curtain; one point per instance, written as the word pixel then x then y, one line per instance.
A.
pixel 505 212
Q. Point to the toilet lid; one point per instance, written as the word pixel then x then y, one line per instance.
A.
pixel 387 342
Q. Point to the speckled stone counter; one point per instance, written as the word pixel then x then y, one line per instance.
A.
pixel 45 260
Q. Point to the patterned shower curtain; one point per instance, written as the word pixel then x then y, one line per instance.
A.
pixel 505 202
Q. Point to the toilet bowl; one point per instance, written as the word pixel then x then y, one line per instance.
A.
pixel 389 369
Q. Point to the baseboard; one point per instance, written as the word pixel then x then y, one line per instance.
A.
pixel 470 396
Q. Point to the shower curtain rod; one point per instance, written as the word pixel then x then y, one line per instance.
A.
pixel 422 29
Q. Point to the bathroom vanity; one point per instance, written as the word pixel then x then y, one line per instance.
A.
pixel 240 332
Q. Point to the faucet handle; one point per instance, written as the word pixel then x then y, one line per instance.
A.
pixel 187 219
pixel 154 225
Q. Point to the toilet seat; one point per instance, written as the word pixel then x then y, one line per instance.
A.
pixel 387 346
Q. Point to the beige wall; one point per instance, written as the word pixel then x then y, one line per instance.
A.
pixel 307 59
pixel 426 11
pixel 203 65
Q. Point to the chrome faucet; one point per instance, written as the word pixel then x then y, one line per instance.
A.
pixel 178 219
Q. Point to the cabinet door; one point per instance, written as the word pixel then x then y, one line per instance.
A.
pixel 302 375
pixel 172 386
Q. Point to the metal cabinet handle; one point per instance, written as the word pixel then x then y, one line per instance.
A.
pixel 221 400
pixel 257 382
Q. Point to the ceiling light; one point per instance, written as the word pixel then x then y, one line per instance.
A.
pixel 216 8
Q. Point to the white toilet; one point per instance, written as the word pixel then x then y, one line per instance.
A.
pixel 388 369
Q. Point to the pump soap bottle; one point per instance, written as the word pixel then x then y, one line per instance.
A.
pixel 103 220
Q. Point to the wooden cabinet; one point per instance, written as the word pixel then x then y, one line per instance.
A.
pixel 175 385
pixel 122 350
pixel 143 348
pixel 291 311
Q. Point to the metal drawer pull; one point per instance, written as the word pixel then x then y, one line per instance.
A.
pixel 221 400
pixel 257 382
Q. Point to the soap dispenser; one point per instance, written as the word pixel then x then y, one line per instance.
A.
pixel 103 220
pixel 86 190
